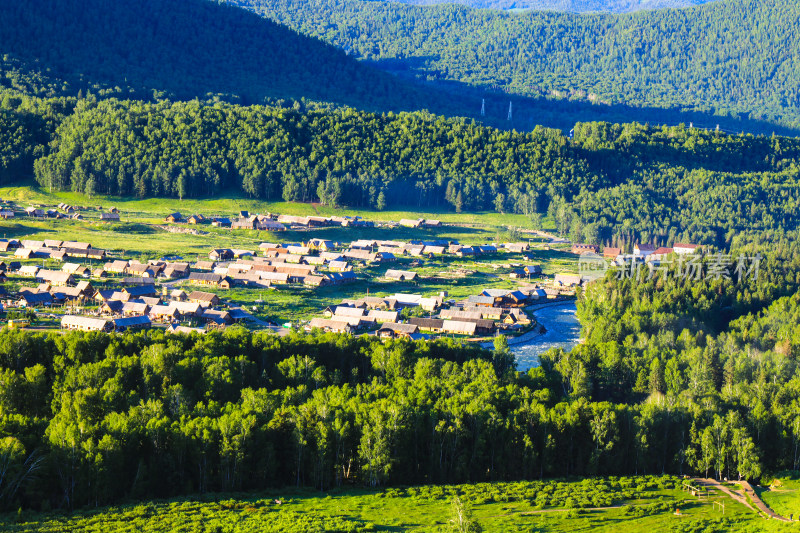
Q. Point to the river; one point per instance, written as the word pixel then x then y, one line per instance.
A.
pixel 563 331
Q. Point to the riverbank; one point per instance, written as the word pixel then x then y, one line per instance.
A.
pixel 562 330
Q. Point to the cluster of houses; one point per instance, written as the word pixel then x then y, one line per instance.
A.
pixel 275 222
pixel 132 302
pixel 428 248
pixel 117 304
pixel 51 249
pixel 138 307
pixel 10 210
pixel 420 223
pixel 653 253
pixel 128 299
pixel 261 272
pixel 319 262
pixel 479 315
pixel 642 253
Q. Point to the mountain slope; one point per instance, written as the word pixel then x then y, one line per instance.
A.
pixel 574 6
pixel 180 49
pixel 732 58
pixel 185 49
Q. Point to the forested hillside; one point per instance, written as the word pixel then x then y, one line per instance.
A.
pixel 187 49
pixel 576 6
pixel 731 58
pixel 609 182
pixel 665 383
pixel 155 49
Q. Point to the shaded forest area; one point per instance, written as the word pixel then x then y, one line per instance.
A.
pixel 734 60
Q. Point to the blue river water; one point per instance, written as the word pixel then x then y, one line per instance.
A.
pixel 563 331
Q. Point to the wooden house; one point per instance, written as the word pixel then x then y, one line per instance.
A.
pixel 85 323
pixel 206 299
pixel 131 323
pixel 400 275
pixel 580 249
pixel 221 254
pixel 390 330
pixel 459 327
pixel 202 278
pixel 163 313
pixel 338 326
pixel 433 325
pixel 567 280
pixel 56 278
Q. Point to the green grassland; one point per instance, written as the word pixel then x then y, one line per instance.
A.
pixel 637 504
pixel 783 495
pixel 154 209
pixel 138 234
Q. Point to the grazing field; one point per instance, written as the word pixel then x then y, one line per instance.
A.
pixel 783 495
pixel 638 504
pixel 138 232
pixel 155 209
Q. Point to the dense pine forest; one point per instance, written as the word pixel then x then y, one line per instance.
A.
pixel 664 383
pixel 607 182
pixel 735 58
pixel 158 49
pixel 576 6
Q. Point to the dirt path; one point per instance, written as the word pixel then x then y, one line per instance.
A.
pixel 710 483
pixel 736 496
pixel 748 489
pixel 741 498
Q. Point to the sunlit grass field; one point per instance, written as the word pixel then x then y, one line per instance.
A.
pixel 231 203
pixel 783 495
pixel 633 505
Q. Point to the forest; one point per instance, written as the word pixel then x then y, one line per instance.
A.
pixel 574 6
pixel 731 58
pixel 606 183
pixel 155 49
pixel 663 384
pixel 151 50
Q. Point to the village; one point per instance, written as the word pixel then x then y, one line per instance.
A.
pixel 417 289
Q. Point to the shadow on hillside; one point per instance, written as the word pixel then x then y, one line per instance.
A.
pixel 563 113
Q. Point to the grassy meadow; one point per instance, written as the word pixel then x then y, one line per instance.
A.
pixel 155 209
pixel 783 495
pixel 637 504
